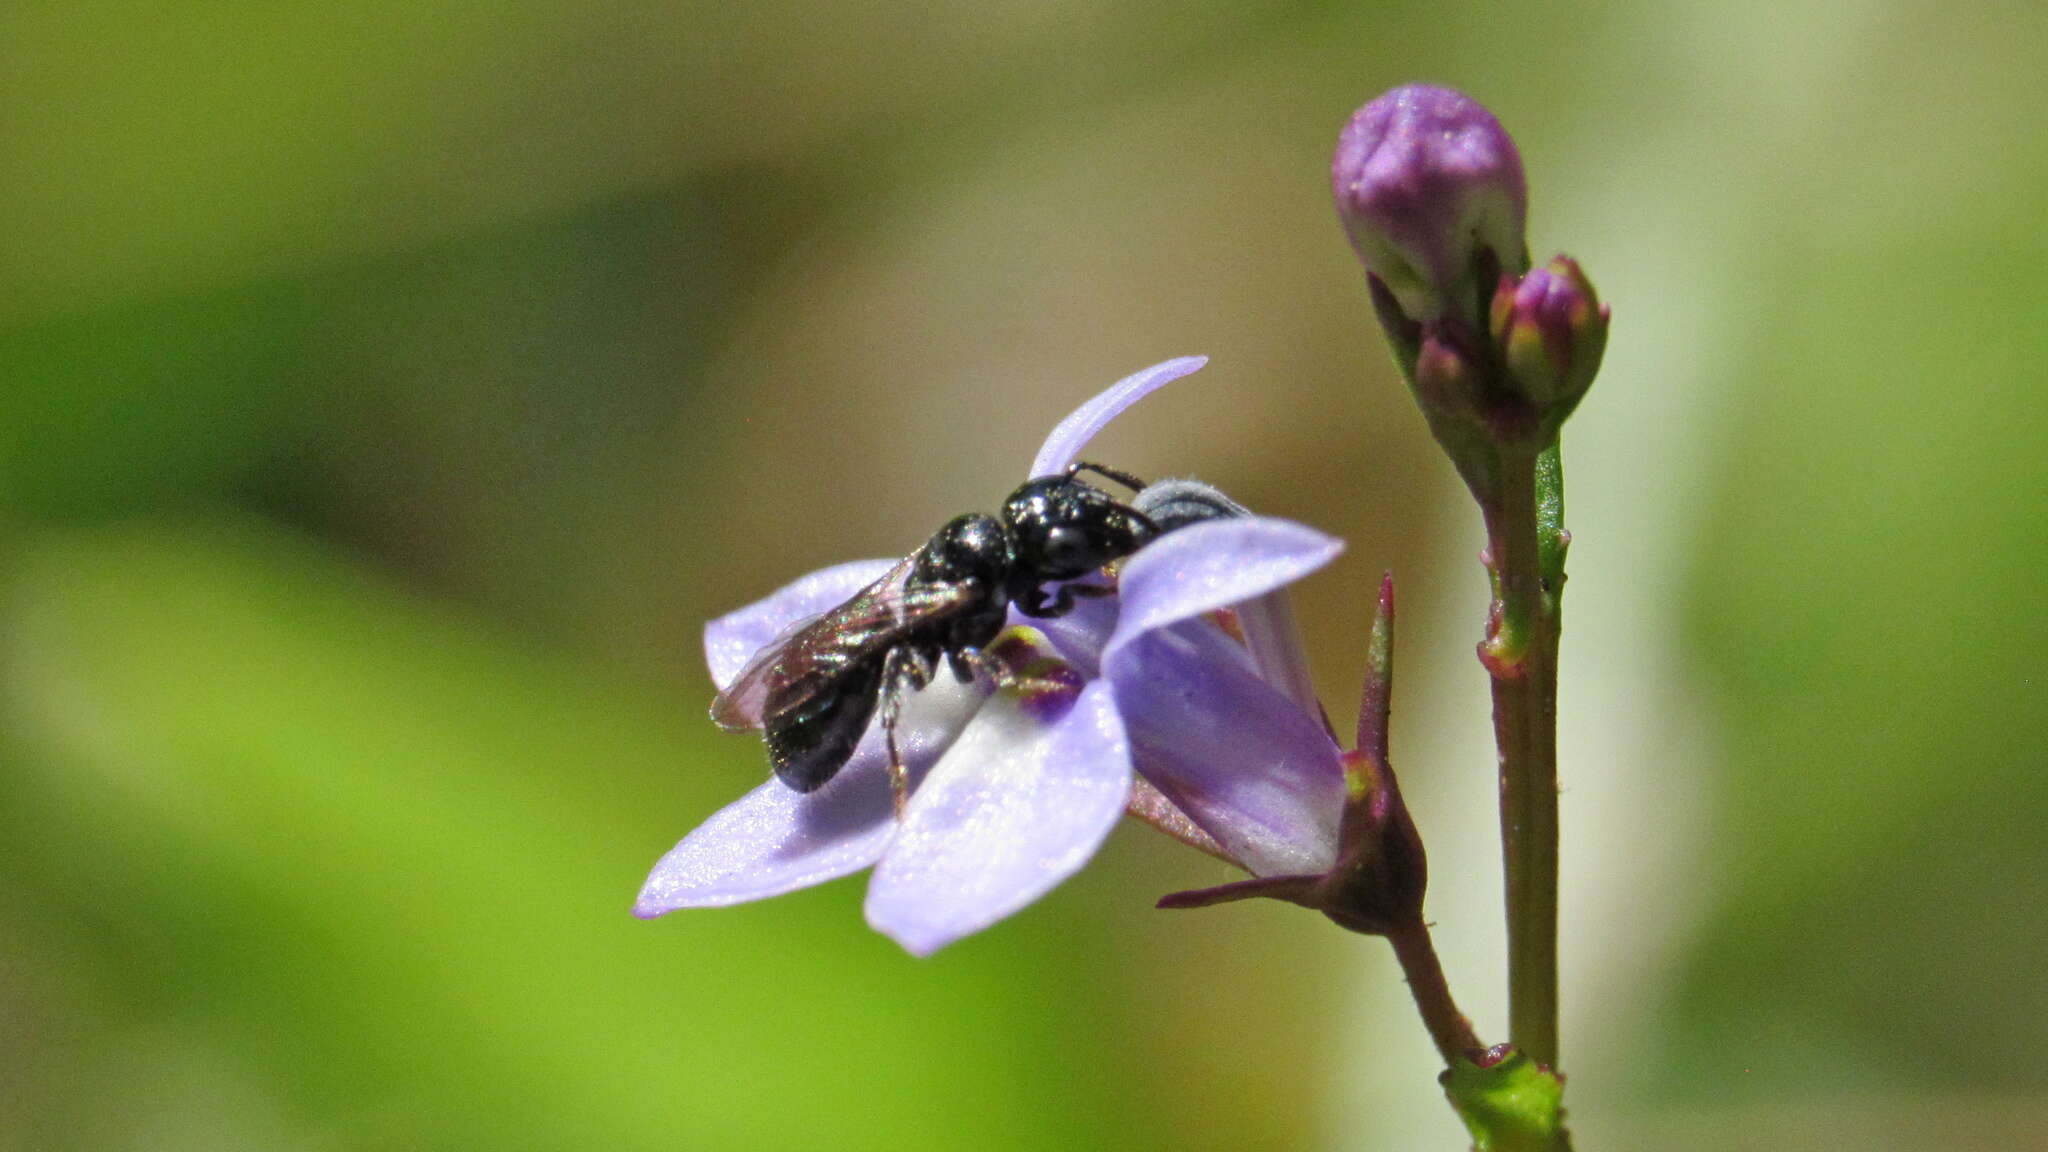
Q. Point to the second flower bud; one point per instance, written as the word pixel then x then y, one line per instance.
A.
pixel 1549 329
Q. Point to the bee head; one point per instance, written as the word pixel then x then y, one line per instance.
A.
pixel 1063 528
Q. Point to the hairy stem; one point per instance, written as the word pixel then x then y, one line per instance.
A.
pixel 1526 551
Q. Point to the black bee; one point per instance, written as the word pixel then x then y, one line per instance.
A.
pixel 812 691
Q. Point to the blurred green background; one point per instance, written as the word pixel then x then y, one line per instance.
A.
pixel 389 391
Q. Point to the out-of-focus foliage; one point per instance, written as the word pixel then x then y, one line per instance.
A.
pixel 1869 604
pixel 388 391
pixel 334 831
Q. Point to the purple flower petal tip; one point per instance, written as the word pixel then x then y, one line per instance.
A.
pixel 1425 178
pixel 1064 445
pixel 773 841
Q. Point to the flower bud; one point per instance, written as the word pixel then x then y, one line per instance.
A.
pixel 1430 189
pixel 1550 330
pixel 1450 382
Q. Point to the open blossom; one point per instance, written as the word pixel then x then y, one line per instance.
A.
pixel 1014 789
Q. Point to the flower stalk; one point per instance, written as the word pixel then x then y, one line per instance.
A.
pixel 1520 654
pixel 1431 193
pixel 1448 1027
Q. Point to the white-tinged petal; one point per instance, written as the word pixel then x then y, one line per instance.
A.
pixel 733 639
pixel 1064 446
pixel 1019 803
pixel 774 840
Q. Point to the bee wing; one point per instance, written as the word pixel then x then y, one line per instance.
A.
pixel 811 654
pixel 738 707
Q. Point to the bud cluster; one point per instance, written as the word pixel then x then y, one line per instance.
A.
pixel 1431 193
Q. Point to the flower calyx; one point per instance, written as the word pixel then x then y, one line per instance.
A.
pixel 1377 884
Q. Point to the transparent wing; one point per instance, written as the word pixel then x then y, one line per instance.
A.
pixel 811 655
pixel 739 706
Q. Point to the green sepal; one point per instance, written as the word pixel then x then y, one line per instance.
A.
pixel 1510 1105
pixel 1552 540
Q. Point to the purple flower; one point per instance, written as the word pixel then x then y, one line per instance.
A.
pixel 1430 189
pixel 1139 701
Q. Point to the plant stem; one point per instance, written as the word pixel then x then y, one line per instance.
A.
pixel 1526 550
pixel 1409 936
pixel 1447 1026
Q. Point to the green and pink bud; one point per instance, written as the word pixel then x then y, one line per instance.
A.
pixel 1550 330
pixel 1430 189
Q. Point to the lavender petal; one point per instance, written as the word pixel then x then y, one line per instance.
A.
pixel 733 639
pixel 1238 756
pixel 1215 564
pixel 1064 446
pixel 1274 640
pixel 775 840
pixel 1078 636
pixel 1017 805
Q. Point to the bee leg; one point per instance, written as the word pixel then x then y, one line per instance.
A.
pixel 982 664
pixel 904 671
pixel 971 664
pixel 1123 478
pixel 1033 603
pixel 1062 601
pixel 899 773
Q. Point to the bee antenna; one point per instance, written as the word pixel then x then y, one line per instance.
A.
pixel 1120 477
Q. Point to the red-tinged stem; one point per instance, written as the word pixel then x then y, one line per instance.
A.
pixel 1447 1026
pixel 1413 947
pixel 1521 654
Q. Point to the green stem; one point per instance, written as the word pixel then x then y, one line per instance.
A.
pixel 1526 548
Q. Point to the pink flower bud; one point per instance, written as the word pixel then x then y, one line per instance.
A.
pixel 1430 190
pixel 1550 329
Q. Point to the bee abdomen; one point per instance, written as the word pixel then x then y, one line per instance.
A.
pixel 809 746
